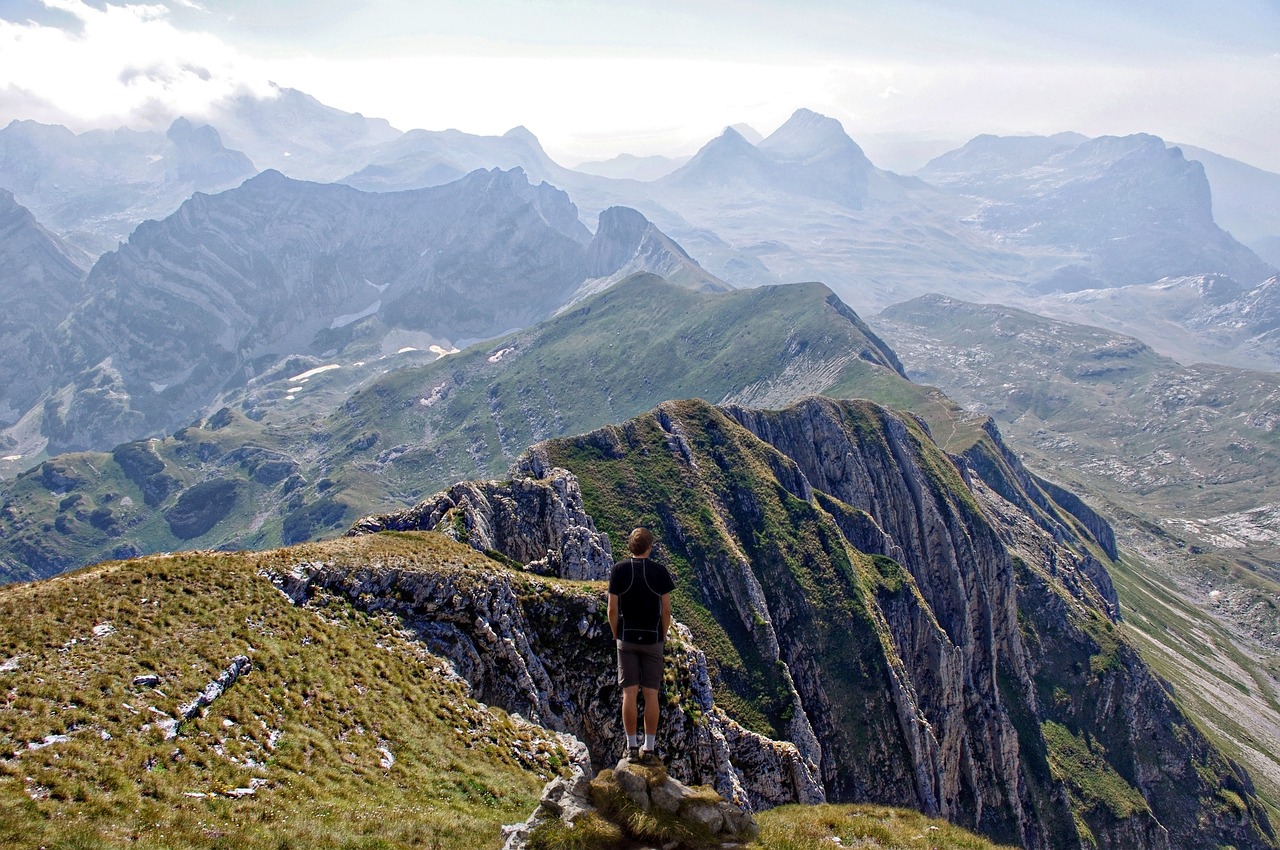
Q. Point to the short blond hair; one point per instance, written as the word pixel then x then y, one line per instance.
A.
pixel 641 540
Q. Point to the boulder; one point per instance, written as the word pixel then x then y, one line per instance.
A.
pixel 632 805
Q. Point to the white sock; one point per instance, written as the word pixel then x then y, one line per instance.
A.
pixel 634 740
pixel 648 742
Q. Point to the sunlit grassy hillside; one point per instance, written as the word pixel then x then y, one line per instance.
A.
pixel 345 733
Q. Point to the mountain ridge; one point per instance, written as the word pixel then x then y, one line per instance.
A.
pixel 217 293
pixel 262 470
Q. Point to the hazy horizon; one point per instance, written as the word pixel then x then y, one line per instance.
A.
pixel 908 80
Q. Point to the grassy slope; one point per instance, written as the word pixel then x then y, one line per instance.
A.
pixel 614 357
pixel 329 686
pixel 871 827
pixel 1147 441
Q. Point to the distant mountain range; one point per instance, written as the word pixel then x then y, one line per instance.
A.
pixel 1134 209
pixel 263 362
pixel 232 284
pixel 96 187
pixel 41 279
pixel 1201 318
pixel 998 218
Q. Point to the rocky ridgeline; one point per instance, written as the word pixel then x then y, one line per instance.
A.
pixel 632 805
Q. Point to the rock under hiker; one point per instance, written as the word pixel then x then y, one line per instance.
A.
pixel 640 614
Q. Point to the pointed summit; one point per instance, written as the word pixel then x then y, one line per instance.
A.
pixel 810 155
pixel 727 158
pixel 626 243
pixel 523 134
pixel 808 136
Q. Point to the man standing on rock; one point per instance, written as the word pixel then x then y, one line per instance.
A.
pixel 640 615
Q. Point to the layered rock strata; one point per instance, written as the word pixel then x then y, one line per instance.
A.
pixel 900 608
pixel 541 648
pixel 538 523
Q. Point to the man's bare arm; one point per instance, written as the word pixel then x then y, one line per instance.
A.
pixel 666 614
pixel 613 614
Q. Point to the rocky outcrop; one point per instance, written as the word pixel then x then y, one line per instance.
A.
pixel 1052 507
pixel 627 243
pixel 950 627
pixel 635 803
pixel 542 648
pixel 538 523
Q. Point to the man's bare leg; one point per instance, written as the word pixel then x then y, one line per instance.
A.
pixel 629 714
pixel 651 711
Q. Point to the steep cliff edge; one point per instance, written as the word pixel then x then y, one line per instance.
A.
pixel 916 636
pixel 540 647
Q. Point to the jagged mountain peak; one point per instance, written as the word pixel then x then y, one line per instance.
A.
pixel 727 158
pixel 204 300
pixel 626 242
pixel 751 134
pixel 729 140
pixel 40 280
pixel 809 156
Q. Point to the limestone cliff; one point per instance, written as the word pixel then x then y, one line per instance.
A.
pixel 541 647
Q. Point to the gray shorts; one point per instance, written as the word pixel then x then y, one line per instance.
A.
pixel 640 664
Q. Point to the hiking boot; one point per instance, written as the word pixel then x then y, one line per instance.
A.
pixel 633 755
pixel 648 758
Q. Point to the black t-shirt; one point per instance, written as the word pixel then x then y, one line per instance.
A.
pixel 640 585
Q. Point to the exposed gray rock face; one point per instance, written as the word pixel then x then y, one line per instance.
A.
pixel 1246 201
pixel 963 621
pixel 543 649
pixel 40 281
pixel 538 522
pixel 953 704
pixel 626 243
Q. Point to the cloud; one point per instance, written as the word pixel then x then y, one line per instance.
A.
pixel 116 64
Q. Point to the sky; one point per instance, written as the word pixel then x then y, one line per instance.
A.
pixel 908 79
